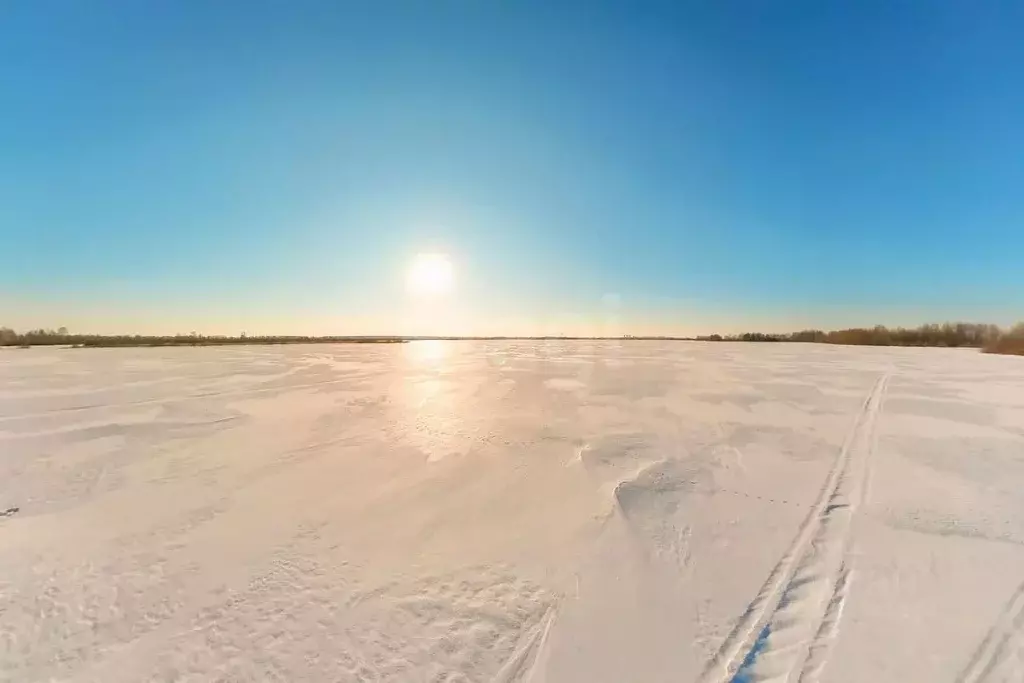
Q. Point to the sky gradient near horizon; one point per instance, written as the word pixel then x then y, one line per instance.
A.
pixel 588 167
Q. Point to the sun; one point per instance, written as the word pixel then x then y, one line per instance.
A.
pixel 430 275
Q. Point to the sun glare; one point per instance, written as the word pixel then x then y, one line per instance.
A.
pixel 430 275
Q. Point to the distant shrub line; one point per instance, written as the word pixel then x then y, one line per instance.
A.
pixel 990 338
pixel 61 337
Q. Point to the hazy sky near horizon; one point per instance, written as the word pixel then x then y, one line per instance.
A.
pixel 587 167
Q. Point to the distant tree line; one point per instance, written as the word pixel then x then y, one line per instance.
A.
pixel 61 337
pixel 991 338
pixel 1011 342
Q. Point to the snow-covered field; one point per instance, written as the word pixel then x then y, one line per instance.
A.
pixel 629 512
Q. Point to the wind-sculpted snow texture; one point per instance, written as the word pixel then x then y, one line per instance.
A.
pixel 543 511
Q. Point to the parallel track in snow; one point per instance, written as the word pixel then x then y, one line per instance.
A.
pixel 520 667
pixel 1000 656
pixel 786 632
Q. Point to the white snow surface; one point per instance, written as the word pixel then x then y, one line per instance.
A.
pixel 620 512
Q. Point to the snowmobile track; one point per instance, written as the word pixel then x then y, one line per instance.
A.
pixel 1000 656
pixel 787 629
pixel 520 666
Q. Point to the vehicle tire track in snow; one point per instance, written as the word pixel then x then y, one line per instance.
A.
pixel 521 667
pixel 791 622
pixel 1000 656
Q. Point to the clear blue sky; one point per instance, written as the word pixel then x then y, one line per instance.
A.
pixel 587 167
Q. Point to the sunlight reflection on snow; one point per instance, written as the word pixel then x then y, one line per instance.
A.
pixel 427 352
